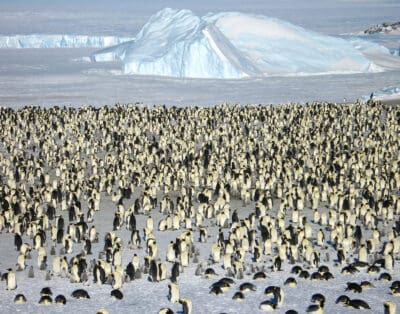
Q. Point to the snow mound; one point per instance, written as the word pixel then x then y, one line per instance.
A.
pixel 59 41
pixel 178 43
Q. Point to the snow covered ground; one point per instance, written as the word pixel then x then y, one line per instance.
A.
pixel 64 77
pixel 27 77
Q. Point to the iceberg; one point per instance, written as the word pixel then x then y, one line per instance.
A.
pixel 59 41
pixel 232 45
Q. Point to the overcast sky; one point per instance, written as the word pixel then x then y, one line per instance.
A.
pixel 126 17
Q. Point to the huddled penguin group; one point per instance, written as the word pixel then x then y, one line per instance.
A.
pixel 236 194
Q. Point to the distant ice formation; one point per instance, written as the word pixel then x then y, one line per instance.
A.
pixel 229 45
pixel 59 41
pixel 385 93
pixel 384 28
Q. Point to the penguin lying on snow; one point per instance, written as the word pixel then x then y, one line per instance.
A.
pixel 80 294
pixel 60 299
pixel 354 303
pixel 45 300
pixel 19 299
pixel 353 286
pixel 117 294
pixel 238 296
pixel 290 282
pixel 260 276
pixel 268 305
pixel 247 286
pixel 46 291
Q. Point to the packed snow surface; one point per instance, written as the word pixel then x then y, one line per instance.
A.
pixel 59 41
pixel 178 43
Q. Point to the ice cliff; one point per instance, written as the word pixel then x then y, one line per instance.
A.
pixel 59 41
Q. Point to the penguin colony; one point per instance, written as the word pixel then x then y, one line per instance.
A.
pixel 241 192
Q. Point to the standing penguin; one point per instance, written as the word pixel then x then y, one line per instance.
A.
pixel 187 306
pixel 99 274
pixel 11 280
pixel 277 266
pixel 153 271
pixel 362 254
pixel 162 271
pixel 389 307
pixel 21 262
pixel 171 252
pixel 173 293
pixel 389 262
pixel 203 235
pixel 117 279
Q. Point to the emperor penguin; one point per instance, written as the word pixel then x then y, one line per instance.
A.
pixel 21 264
pixel 362 254
pixel 17 241
pixel 11 280
pixel 389 262
pixel 187 306
pixel 153 271
pixel 216 252
pixel 117 279
pixel 74 274
pixel 277 265
pixel 173 293
pixel 278 294
pixel 117 294
pixel 150 223
pixel 60 299
pixel 320 238
pixel 184 258
pixel 130 272
pixel 93 236
pixel 162 271
pixel 80 294
pixel 203 235
pixel 389 307
pixel 42 258
pixel 175 270
pixel 171 252
pixel 135 261
pixel 227 261
pixel 45 300
pixel 31 273
pixel 19 299
pixel 99 274
pixel 267 306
